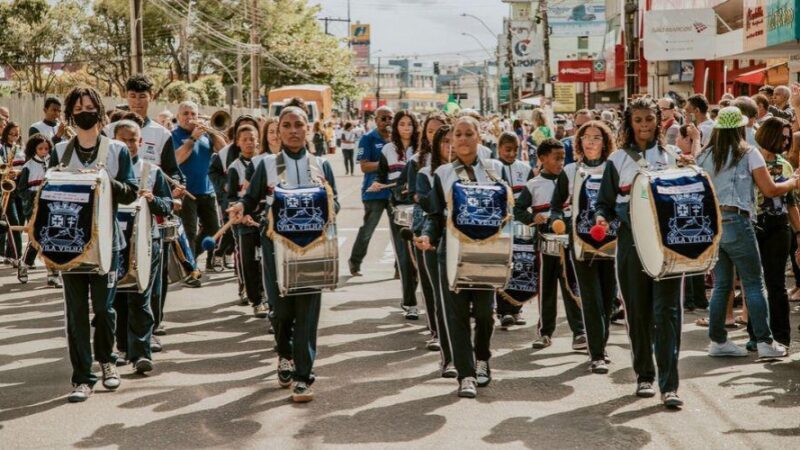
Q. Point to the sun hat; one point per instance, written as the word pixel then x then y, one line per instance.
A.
pixel 730 117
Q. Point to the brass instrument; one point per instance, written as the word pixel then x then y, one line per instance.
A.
pixel 220 120
pixel 211 130
pixel 7 176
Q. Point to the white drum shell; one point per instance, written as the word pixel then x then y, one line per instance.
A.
pixel 657 262
pixel 139 248
pixel 317 268
pixel 99 252
pixel 403 215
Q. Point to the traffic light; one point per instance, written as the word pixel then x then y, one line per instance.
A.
pixel 436 68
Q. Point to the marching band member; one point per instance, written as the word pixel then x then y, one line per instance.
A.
pixel 135 320
pixel 422 160
pixel 736 169
pixel 37 154
pixel 270 141
pixel 50 127
pixel 533 208
pixel 597 284
pixel 12 154
pixel 83 107
pixel 439 155
pixel 472 362
pixel 296 318
pixel 652 308
pixel 246 142
pixel 516 173
pixel 405 136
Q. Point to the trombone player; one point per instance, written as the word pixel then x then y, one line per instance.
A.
pixel 195 142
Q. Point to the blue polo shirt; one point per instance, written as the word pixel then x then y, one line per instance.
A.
pixel 369 149
pixel 195 168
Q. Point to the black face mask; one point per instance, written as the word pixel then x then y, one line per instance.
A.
pixel 86 120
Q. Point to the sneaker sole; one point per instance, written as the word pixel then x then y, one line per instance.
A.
pixel 143 367
pixel 449 374
pixel 285 384
pixel 645 394
pixel 676 403
pixel 302 398
pixel 540 346
pixel 111 388
pixel 484 384
pixel 409 317
pixel 727 355
pixel 159 333
pixel 580 347
pixel 466 394
pixel 72 399
pixel 600 371
pixel 506 323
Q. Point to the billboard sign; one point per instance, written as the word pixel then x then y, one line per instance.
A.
pixel 679 34
pixel 781 21
pixel 572 18
pixel 755 30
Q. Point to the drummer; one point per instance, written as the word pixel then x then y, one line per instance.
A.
pixel 394 155
pixel 597 284
pixel 422 160
pixel 247 240
pixel 83 108
pixel 533 208
pixel 440 154
pixel 296 319
pixel 135 319
pixel 652 308
pixel 472 362
pixel 516 173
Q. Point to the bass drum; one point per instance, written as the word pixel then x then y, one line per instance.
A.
pixel 676 221
pixel 136 224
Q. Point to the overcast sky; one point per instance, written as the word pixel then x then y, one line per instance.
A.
pixel 423 27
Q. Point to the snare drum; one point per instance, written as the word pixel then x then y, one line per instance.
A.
pixel 523 284
pixel 553 244
pixel 479 237
pixel 135 221
pixel 675 220
pixel 303 231
pixel 73 223
pixel 403 215
pixel 168 230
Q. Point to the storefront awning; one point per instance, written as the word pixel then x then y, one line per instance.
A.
pixel 767 75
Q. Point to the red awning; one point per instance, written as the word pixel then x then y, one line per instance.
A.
pixel 756 77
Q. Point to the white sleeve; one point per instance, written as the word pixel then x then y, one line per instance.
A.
pixel 755 159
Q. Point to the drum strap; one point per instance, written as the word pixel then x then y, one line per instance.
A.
pixel 102 152
pixel 144 177
pixel 463 174
pixel 636 157
pixel 315 172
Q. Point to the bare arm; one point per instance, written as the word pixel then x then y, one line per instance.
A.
pixel 368 166
pixel 768 187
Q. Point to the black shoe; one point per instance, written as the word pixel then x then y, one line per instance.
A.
pixel 354 269
pixel 285 372
pixel 155 344
pixel 507 320
pixel 599 366
pixel 302 392
pixel 143 365
pixel 160 331
pixel 122 359
pixel 483 373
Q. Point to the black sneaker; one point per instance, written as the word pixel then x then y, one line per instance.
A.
pixel 285 372
pixel 599 366
pixel 155 344
pixel 354 269
pixel 110 376
pixel 193 280
pixel 579 342
pixel 160 331
pixel 507 320
pixel 302 392
pixel 412 313
pixel 80 392
pixel 468 388
pixel 142 366
pixel 645 389
pixel 122 359
pixel 483 373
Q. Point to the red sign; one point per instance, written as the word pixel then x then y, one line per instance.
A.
pixel 581 71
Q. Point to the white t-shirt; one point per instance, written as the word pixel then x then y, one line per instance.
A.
pixel 348 136
pixel 705 130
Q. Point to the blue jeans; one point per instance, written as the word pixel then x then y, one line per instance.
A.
pixel 738 249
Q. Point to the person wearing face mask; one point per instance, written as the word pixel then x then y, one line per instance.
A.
pixel 84 109
pixel 419 161
pixel 135 317
pixel 652 307
pixel 247 240
pixel 295 318
pixel 375 203
pixel 594 143
pixel 471 361
pixel 390 176
pixel 37 153
pixel 773 234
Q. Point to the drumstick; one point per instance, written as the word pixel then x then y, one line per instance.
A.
pixel 174 183
pixel 210 242
pixel 558 226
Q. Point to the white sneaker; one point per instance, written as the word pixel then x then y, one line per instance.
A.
pixel 773 350
pixel 727 348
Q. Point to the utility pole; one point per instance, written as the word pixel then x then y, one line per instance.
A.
pixel 137 59
pixel 510 64
pixel 545 38
pixel 239 81
pixel 378 85
pixel 255 80
pixel 186 50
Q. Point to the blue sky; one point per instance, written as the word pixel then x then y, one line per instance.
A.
pixel 422 27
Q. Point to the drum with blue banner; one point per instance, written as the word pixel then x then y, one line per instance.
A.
pixel 303 230
pixel 72 221
pixel 523 284
pixel 676 221
pixel 479 236
pixel 586 188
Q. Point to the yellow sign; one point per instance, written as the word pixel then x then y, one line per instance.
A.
pixel 359 34
pixel 564 97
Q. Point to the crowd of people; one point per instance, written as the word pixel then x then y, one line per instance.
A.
pixel 196 176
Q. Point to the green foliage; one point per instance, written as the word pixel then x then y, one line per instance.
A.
pixel 206 91
pixel 213 90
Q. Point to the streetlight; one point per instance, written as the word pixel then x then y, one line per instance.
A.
pixel 479 43
pixel 482 23
pixel 217 62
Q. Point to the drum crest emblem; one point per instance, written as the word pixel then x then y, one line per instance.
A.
pixel 62 232
pixel 301 214
pixel 689 223
pixel 481 207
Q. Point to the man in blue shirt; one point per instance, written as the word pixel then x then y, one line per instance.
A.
pixel 581 117
pixel 194 147
pixel 369 155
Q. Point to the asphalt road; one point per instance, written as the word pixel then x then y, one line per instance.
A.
pixel 377 387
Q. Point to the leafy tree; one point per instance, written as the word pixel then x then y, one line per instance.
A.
pixel 36 35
